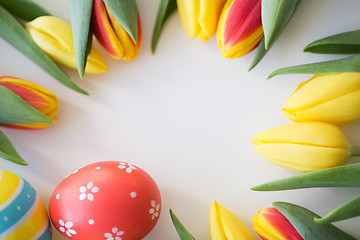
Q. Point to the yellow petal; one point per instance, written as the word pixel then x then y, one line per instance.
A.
pixel 215 226
pixel 234 229
pixel 307 133
pixel 189 11
pixel 54 37
pixel 303 158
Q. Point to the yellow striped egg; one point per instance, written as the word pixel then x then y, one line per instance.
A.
pixel 23 215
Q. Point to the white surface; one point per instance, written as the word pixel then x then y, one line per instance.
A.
pixel 185 115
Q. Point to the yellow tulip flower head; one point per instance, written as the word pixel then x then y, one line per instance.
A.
pixel 332 98
pixel 54 37
pixel 200 17
pixel 304 147
pixel 224 225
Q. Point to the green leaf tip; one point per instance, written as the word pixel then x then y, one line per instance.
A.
pixel 166 9
pixel 181 230
pixel 348 64
pixel 303 221
pixel 343 176
pixel 342 43
pixel 8 151
pixel 81 11
pixel 260 53
pixel 126 13
pixel 24 9
pixel 347 210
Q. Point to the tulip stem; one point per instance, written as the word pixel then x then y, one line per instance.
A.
pixel 355 151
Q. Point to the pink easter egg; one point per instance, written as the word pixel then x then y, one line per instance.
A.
pixel 106 200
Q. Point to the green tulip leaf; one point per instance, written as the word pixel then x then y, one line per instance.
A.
pixel 80 24
pixel 14 33
pixel 303 221
pixel 126 13
pixel 24 9
pixel 342 43
pixel 14 109
pixel 166 9
pixel 260 53
pixel 349 64
pixel 181 230
pixel 343 176
pixel 275 14
pixel 348 210
pixel 8 151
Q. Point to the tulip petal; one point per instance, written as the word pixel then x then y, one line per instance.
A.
pixel 8 151
pixel 24 9
pixel 239 29
pixel 349 64
pixel 80 24
pixel 303 221
pixel 181 230
pixel 215 224
pixel 342 176
pixel 14 33
pixel 166 9
pixel 126 13
pixel 234 229
pixel 347 210
pixel 343 43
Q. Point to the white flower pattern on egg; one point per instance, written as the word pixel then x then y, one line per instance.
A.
pixel 66 228
pixel 128 167
pixel 87 192
pixel 115 235
pixel 154 210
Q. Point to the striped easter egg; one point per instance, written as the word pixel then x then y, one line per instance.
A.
pixel 23 215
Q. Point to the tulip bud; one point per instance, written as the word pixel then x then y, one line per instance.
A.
pixel 270 224
pixel 54 37
pixel 239 29
pixel 224 225
pixel 304 147
pixel 333 98
pixel 200 18
pixel 111 35
pixel 38 97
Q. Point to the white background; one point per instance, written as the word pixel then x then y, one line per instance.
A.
pixel 185 115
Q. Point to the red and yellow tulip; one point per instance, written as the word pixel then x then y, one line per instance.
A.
pixel 270 224
pixel 111 35
pixel 200 17
pixel 37 96
pixel 240 29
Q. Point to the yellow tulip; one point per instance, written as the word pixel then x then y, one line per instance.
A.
pixel 200 17
pixel 333 98
pixel 224 225
pixel 54 37
pixel 304 147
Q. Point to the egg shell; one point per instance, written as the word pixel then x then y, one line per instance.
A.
pixel 106 200
pixel 22 213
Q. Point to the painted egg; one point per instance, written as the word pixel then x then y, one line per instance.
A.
pixel 22 213
pixel 109 200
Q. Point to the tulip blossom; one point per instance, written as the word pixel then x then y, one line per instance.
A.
pixel 224 225
pixel 54 37
pixel 38 97
pixel 333 98
pixel 304 147
pixel 240 28
pixel 200 17
pixel 270 224
pixel 111 35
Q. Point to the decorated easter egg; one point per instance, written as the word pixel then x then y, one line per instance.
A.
pixel 22 213
pixel 108 200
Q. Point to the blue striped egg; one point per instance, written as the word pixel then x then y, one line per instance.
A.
pixel 23 215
